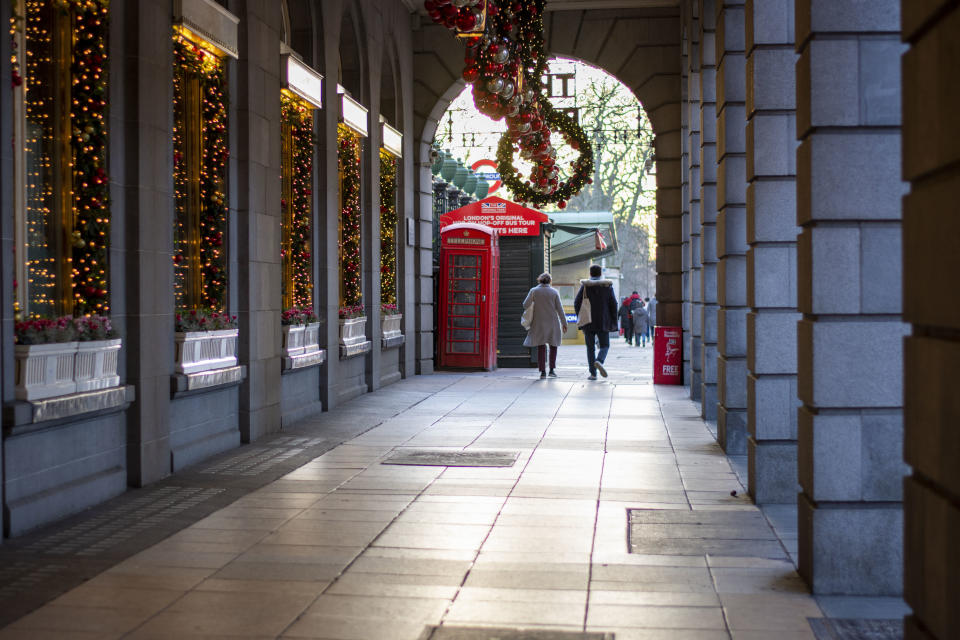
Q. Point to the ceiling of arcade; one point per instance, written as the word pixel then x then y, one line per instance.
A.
pixel 638 41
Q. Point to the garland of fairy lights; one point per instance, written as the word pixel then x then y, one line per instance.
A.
pixel 300 119
pixel 89 221
pixel 505 61
pixel 350 216
pixel 388 227
pixel 191 61
pixel 91 213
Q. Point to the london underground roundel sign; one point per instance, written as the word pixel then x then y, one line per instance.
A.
pixel 491 176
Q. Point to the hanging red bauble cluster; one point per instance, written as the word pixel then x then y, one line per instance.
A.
pixel 505 61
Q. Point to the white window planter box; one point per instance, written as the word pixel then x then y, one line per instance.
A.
pixel 95 366
pixel 45 370
pixel 301 338
pixel 293 335
pixel 390 332
pixel 206 350
pixel 311 337
pixel 353 337
pixel 390 325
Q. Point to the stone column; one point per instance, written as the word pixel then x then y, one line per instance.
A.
pixel 850 340
pixel 708 208
pixel 141 136
pixel 692 348
pixel 731 229
pixel 931 403
pixel 771 260
pixel 258 216
pixel 685 185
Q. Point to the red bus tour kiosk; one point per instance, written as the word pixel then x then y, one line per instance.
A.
pixel 469 272
pixel 524 253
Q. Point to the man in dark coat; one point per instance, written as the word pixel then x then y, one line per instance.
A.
pixel 603 318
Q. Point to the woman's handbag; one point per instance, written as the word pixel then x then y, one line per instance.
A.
pixel 527 318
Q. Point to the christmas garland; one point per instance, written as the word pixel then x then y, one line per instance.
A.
pixel 505 60
pixel 192 61
pixel 91 212
pixel 351 290
pixel 388 228
pixel 299 117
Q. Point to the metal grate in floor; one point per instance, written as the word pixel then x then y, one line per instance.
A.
pixel 121 523
pixel 439 458
pixel 253 462
pixel 743 533
pixel 851 629
pixel 489 633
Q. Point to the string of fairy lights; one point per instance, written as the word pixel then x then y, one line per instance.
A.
pixel 200 235
pixel 388 227
pixel 91 216
pixel 298 211
pixel 66 207
pixel 349 145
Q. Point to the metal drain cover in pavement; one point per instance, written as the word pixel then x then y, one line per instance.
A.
pixel 680 532
pixel 487 633
pixel 435 458
pixel 849 629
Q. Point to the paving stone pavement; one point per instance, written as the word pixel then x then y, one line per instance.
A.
pixel 339 546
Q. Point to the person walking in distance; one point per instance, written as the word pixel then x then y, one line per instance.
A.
pixel 641 324
pixel 626 321
pixel 596 308
pixel 652 312
pixel 547 322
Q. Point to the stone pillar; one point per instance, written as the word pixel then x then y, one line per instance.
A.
pixel 850 340
pixel 931 403
pixel 708 209
pixel 685 185
pixel 771 260
pixel 258 216
pixel 692 348
pixel 731 229
pixel 142 100
pixel 7 243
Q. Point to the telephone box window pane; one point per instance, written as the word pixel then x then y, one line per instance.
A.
pixel 466 285
pixel 467 297
pixel 465 261
pixel 464 310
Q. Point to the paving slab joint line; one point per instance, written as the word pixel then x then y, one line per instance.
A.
pixel 596 515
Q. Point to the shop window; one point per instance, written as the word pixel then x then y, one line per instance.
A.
pixel 389 170
pixel 61 204
pixel 200 174
pixel 296 204
pixel 349 156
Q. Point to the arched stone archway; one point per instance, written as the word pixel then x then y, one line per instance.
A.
pixel 641 48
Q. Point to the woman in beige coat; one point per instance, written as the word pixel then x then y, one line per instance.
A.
pixel 548 322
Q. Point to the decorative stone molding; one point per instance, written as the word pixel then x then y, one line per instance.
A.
pixel 391 335
pixel 206 350
pixel 221 377
pixel 353 337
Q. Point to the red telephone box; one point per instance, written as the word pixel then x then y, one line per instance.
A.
pixel 469 274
